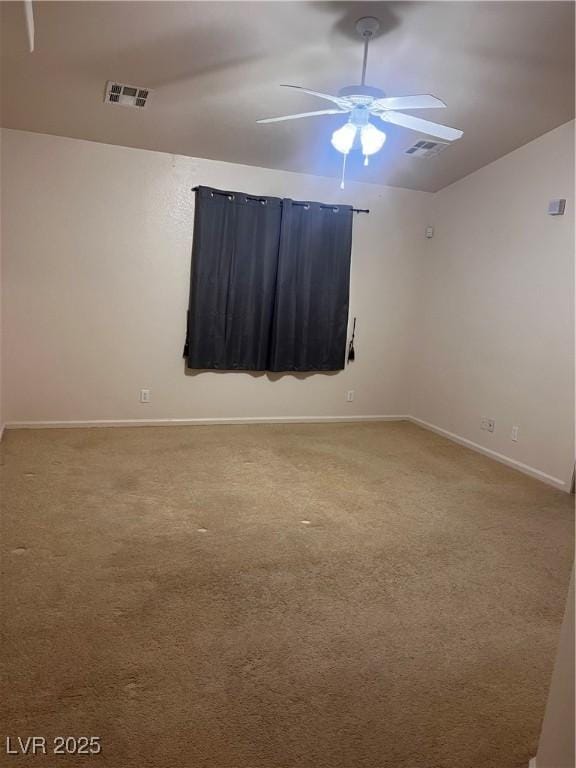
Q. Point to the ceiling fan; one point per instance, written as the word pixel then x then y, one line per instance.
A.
pixel 361 102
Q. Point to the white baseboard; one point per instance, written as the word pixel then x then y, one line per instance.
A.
pixel 198 422
pixel 525 468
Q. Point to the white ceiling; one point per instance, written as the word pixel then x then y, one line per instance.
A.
pixel 505 70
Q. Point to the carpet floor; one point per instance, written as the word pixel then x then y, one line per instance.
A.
pixel 277 596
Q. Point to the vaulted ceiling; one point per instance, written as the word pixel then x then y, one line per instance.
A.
pixel 505 70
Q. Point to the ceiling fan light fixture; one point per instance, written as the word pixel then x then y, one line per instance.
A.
pixel 362 102
pixel 343 138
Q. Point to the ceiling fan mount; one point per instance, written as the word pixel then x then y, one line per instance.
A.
pixel 367 26
pixel 361 102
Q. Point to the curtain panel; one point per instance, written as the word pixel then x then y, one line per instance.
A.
pixel 269 284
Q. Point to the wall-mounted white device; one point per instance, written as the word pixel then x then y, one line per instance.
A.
pixel 556 207
pixel 429 232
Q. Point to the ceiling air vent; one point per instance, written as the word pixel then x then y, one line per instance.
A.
pixel 426 148
pixel 126 95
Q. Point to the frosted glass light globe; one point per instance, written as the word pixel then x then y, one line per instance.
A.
pixel 343 138
pixel 372 139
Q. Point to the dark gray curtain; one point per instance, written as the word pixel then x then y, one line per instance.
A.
pixel 269 284
pixel 233 280
pixel 312 288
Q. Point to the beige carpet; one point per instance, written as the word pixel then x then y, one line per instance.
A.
pixel 279 596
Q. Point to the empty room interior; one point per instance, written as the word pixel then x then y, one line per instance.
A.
pixel 287 384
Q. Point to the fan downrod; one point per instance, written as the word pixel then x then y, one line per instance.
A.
pixel 366 27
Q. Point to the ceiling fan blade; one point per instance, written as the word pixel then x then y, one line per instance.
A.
pixel 302 114
pixel 423 126
pixel 423 101
pixel 341 101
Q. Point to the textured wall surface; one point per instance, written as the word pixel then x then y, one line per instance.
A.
pixel 97 241
pixel 556 748
pixel 494 330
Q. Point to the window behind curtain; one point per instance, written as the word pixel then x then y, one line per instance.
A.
pixel 269 284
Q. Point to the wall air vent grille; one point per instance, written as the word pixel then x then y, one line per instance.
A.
pixel 126 95
pixel 425 148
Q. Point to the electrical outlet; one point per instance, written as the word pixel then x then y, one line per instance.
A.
pixel 144 395
pixel 350 396
pixel 487 424
pixel 514 434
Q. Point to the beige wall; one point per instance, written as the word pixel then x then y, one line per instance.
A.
pixel 476 322
pixel 97 244
pixel 1 275
pixel 556 748
pixel 494 332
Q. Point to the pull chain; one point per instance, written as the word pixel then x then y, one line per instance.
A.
pixel 343 170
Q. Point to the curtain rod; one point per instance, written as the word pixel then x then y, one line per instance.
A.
pixel 253 197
